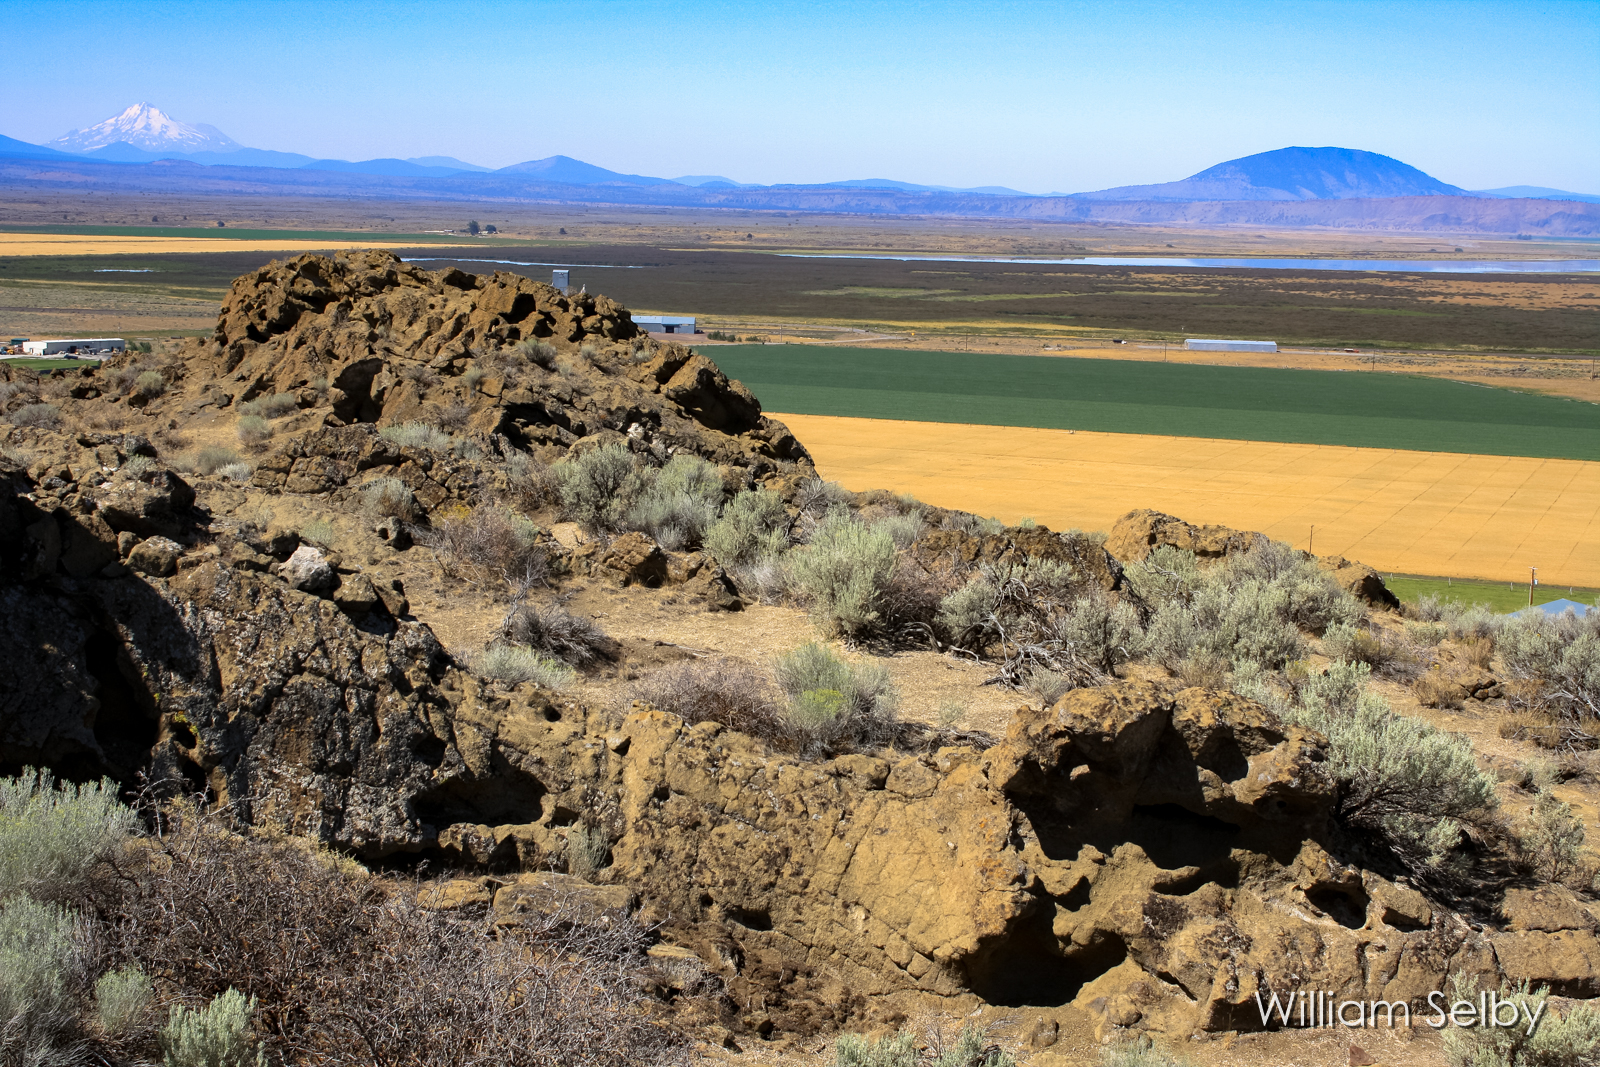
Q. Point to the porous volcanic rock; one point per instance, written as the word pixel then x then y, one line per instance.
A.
pixel 1155 856
pixel 363 337
pixel 1142 531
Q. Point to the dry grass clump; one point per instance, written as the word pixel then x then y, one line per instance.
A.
pixel 1434 690
pixel 488 545
pixel 212 458
pixel 454 417
pixel 516 664
pixel 348 970
pixel 418 435
pixel 275 406
pixel 540 353
pixel 724 691
pixel 555 631
pixel 253 430
pixel 814 703
pixel 388 496
pixel 530 485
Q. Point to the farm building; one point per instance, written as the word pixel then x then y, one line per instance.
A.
pixel 1197 344
pixel 665 323
pixel 75 346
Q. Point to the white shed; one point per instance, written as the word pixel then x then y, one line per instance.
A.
pixel 1197 344
pixel 665 323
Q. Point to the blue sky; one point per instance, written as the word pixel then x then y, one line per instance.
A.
pixel 1037 96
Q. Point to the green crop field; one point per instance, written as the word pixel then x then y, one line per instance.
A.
pixel 46 364
pixel 1497 596
pixel 1372 410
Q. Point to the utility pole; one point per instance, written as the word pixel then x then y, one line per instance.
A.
pixel 1311 540
pixel 1533 580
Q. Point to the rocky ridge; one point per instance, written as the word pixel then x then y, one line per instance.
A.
pixel 1150 854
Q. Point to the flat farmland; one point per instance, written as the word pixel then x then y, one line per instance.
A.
pixel 1384 410
pixel 1398 510
pixel 1050 302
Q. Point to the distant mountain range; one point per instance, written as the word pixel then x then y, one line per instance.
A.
pixel 1380 192
pixel 144 133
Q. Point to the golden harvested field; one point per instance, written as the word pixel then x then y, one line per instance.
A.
pixel 52 244
pixel 1408 512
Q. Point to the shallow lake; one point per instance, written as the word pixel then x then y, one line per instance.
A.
pixel 1426 266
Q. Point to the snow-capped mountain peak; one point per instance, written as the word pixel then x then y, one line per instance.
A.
pixel 149 128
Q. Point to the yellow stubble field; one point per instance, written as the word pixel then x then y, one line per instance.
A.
pixel 51 244
pixel 1399 511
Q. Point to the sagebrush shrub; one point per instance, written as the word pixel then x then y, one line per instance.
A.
pixel 970 1048
pixel 816 497
pixel 754 526
pixel 831 703
pixel 677 504
pixel 418 435
pixel 38 416
pixel 892 1050
pixel 1414 784
pixel 1225 624
pixel 1553 837
pixel 1337 690
pixel 598 487
pixel 1570 1040
pixel 842 574
pixel 902 529
pixel 149 385
pixel 1041 617
pixel 120 999
pixel 1103 633
pixel 43 971
pixel 1167 573
pixel 217 1035
pixel 1559 656
pixel 974 526
pixel 53 834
